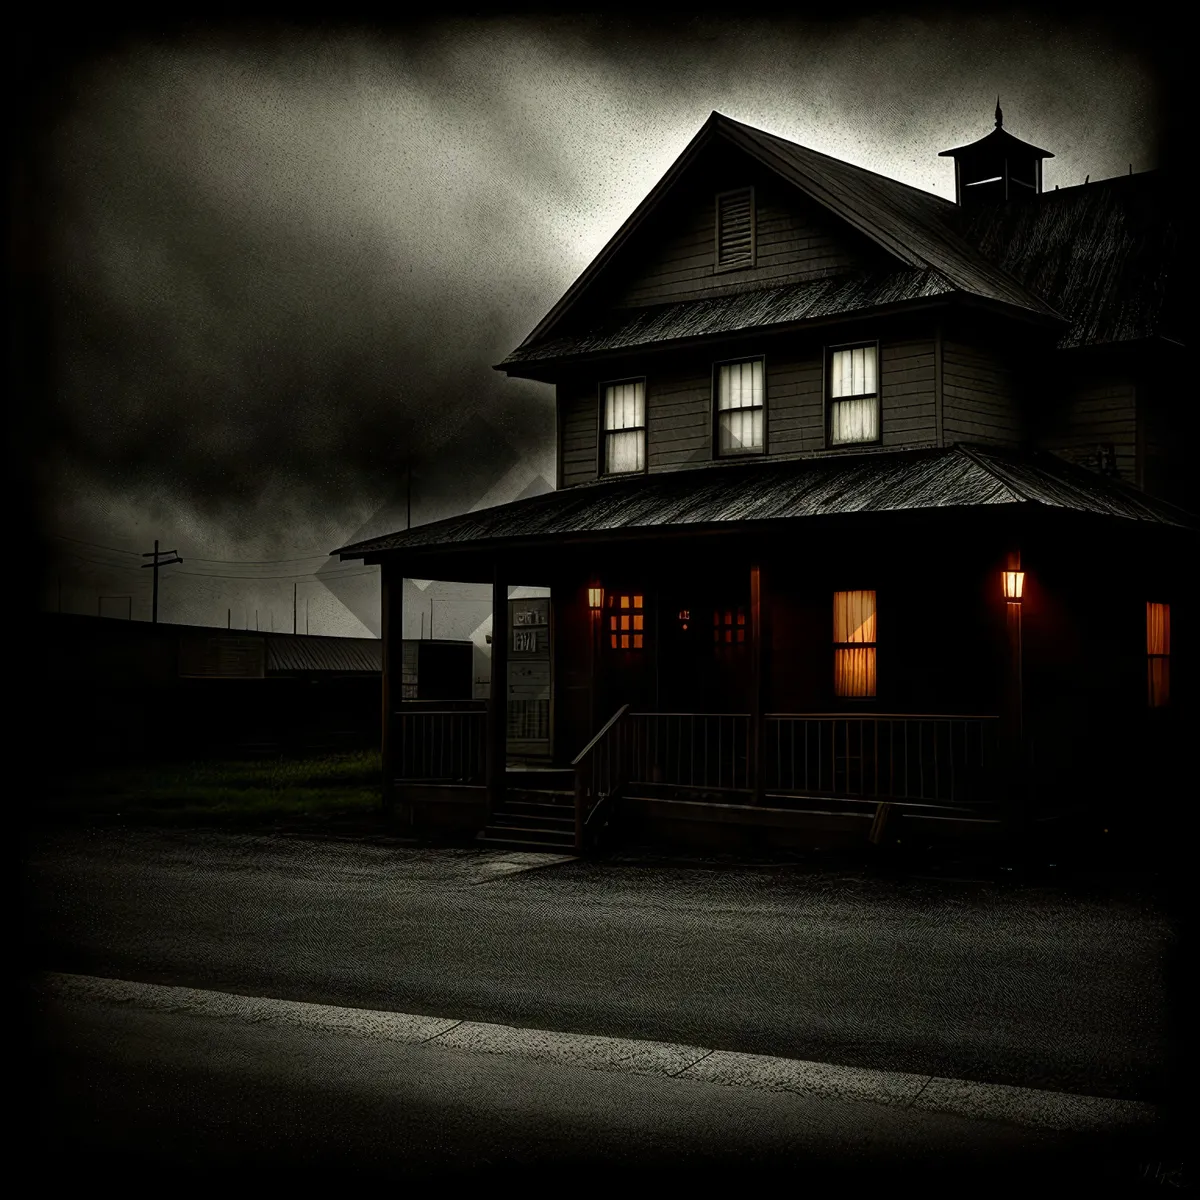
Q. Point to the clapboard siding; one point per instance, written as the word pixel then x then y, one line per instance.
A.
pixel 906 390
pixel 578 416
pixel 677 417
pixel 980 401
pixel 679 408
pixel 1082 418
pixel 794 241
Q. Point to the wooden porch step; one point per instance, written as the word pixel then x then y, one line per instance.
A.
pixel 526 839
pixel 548 816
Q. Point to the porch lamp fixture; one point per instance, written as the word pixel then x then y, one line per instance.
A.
pixel 595 597
pixel 1014 583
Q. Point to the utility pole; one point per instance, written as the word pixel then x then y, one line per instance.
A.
pixel 305 614
pixel 229 618
pixel 157 562
pixel 408 510
pixel 294 587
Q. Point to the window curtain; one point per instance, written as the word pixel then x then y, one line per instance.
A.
pixel 854 643
pixel 1158 652
pixel 625 427
pixel 854 399
pixel 740 406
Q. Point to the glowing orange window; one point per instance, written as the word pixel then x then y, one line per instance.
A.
pixel 1158 654
pixel 854 643
pixel 626 621
pixel 729 626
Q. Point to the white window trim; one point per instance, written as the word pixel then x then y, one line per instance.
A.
pixel 602 471
pixel 714 424
pixel 830 444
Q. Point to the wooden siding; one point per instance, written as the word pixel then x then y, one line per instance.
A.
pixel 1078 421
pixel 980 400
pixel 678 414
pixel 794 241
pixel 679 408
pixel 906 378
pixel 578 420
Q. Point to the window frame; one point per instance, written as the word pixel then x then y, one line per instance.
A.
pixel 827 390
pixel 1165 658
pixel 718 267
pixel 603 431
pixel 835 646
pixel 610 611
pixel 715 410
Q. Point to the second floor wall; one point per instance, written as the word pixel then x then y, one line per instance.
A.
pixel 939 382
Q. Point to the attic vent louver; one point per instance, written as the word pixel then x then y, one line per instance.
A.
pixel 735 229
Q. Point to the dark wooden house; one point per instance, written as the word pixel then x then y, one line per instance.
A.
pixel 864 498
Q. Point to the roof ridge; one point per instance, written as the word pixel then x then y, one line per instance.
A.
pixel 950 205
pixel 977 458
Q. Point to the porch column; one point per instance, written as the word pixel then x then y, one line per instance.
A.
pixel 1017 779
pixel 497 711
pixel 391 633
pixel 757 747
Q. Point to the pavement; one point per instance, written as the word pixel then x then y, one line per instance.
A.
pixel 142 1077
pixel 416 1010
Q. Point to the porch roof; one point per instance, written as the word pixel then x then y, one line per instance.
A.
pixel 729 493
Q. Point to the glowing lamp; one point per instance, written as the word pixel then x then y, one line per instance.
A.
pixel 1014 583
pixel 595 597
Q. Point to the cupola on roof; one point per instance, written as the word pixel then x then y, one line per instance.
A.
pixel 997 167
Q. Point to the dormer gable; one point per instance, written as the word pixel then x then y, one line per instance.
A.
pixel 867 220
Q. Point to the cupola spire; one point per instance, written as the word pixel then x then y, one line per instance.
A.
pixel 999 115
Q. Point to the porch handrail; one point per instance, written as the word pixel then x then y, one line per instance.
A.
pixel 595 778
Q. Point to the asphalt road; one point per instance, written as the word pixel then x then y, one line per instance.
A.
pixel 153 1098
pixel 1033 987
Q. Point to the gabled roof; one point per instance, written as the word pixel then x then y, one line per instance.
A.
pixel 913 226
pixel 727 493
pixel 1103 254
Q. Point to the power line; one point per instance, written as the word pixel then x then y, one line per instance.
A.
pixel 243 578
pixel 263 578
pixel 225 562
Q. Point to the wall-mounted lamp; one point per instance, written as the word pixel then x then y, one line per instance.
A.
pixel 595 597
pixel 1014 584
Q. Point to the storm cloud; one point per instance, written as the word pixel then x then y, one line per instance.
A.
pixel 282 262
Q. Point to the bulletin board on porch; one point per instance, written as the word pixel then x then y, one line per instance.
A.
pixel 530 681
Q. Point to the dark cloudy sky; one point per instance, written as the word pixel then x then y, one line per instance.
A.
pixel 279 261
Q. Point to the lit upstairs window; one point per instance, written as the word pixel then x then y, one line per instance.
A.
pixel 626 622
pixel 735 229
pixel 741 407
pixel 1158 655
pixel 854 643
pixel 853 395
pixel 625 427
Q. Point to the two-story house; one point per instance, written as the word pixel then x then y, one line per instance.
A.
pixel 864 498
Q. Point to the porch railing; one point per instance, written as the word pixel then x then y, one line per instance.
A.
pixel 707 752
pixel 441 744
pixel 600 774
pixel 916 757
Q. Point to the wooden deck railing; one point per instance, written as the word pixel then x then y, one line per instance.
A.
pixel 437 743
pixel 884 756
pixel 709 752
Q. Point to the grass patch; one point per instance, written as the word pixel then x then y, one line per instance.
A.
pixel 227 791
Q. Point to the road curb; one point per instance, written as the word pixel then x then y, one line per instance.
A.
pixel 1027 1107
